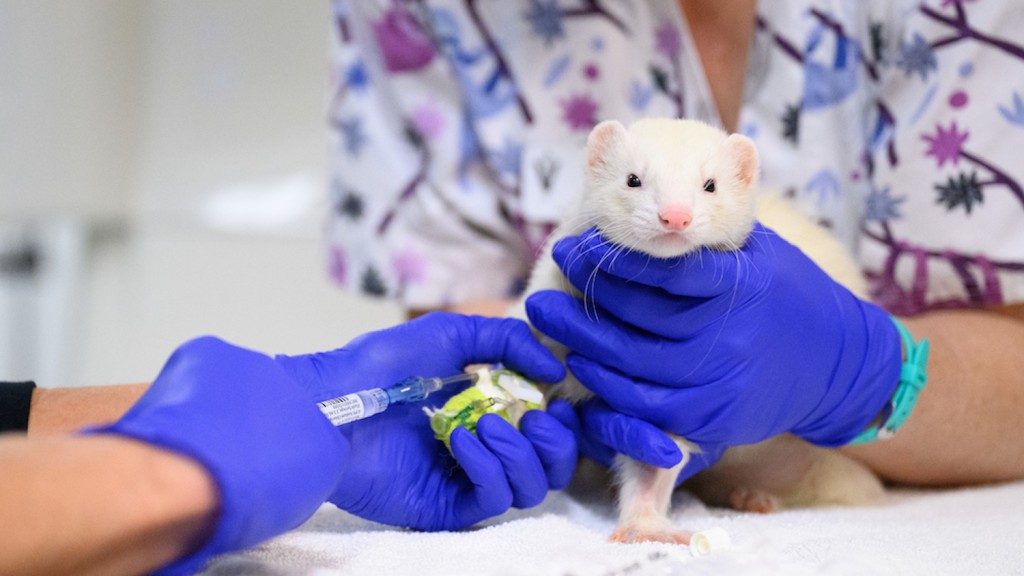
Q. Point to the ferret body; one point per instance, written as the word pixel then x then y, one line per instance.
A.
pixel 668 187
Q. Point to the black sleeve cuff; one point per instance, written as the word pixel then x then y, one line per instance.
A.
pixel 15 401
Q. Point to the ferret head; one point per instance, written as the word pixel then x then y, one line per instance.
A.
pixel 667 187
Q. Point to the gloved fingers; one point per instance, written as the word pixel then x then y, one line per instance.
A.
pixel 554 444
pixel 631 436
pixel 436 344
pixel 588 446
pixel 649 308
pixel 522 466
pixel 490 493
pixel 702 273
pixel 510 341
pixel 563 318
pixel 327 375
pixel 621 346
pixel 671 409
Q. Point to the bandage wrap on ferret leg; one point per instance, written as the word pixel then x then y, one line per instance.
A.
pixel 500 392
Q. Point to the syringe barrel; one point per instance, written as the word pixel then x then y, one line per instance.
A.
pixel 366 403
pixel 412 389
pixel 355 406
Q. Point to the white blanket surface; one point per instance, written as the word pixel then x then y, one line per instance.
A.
pixel 972 531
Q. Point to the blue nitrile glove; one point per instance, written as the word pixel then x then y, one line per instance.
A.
pixel 601 433
pixel 399 473
pixel 723 348
pixel 274 457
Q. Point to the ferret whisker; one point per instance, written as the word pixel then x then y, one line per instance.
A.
pixel 617 254
pixel 725 317
pixel 588 286
pixel 647 263
pixel 592 281
pixel 602 245
pixel 578 222
pixel 580 252
pixel 746 257
pixel 765 234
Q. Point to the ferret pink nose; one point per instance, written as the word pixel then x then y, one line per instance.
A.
pixel 675 217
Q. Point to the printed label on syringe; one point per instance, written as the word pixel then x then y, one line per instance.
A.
pixel 341 410
pixel 352 407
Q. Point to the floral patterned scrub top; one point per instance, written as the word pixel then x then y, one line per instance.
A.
pixel 458 129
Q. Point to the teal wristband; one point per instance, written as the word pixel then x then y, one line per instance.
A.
pixel 912 380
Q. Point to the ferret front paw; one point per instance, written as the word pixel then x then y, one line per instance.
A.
pixel 634 534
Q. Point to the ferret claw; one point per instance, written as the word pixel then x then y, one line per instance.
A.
pixel 634 535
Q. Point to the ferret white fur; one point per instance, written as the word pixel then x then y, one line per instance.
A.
pixel 647 189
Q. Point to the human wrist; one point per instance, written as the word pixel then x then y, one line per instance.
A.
pixel 63 410
pixel 866 375
pixel 182 477
pixel 913 377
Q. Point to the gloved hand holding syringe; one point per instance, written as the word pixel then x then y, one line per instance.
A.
pixel 366 403
pixel 493 390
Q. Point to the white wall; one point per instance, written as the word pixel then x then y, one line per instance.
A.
pixel 234 91
pixel 67 106
pixel 188 138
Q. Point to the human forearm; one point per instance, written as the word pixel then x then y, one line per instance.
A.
pixel 98 505
pixel 67 409
pixel 491 307
pixel 964 428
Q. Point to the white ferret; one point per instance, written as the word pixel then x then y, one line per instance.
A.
pixel 666 187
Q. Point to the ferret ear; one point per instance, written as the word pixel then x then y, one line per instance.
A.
pixel 604 139
pixel 743 152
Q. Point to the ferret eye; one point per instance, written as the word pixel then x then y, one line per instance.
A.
pixel 633 181
pixel 709 185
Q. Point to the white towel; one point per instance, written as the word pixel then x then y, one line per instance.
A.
pixel 973 531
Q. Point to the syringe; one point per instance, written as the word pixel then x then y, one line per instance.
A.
pixel 366 403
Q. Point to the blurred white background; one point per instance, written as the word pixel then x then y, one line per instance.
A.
pixel 162 175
